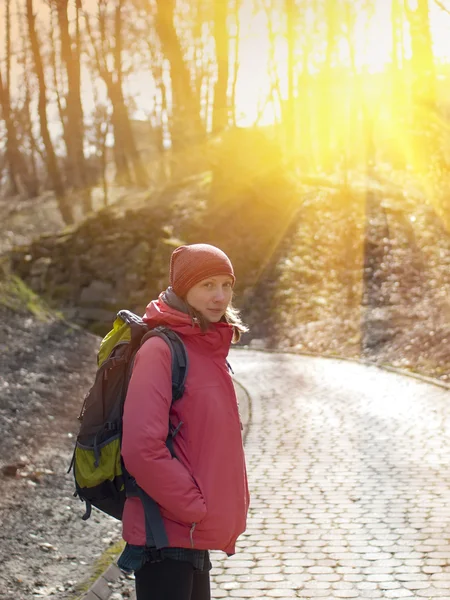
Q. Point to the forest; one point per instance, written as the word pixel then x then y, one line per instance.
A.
pixel 344 87
pixel 319 130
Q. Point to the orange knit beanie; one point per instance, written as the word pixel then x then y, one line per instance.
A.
pixel 193 263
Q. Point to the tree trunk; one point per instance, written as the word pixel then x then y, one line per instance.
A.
pixel 32 182
pixel 74 110
pixel 57 78
pixel 423 82
pixel 304 140
pixel 222 41
pixel 52 163
pixel 186 119
pixel 422 53
pixel 237 7
pixel 14 159
pixel 125 149
pixel 275 94
pixel 121 117
pixel 290 120
pixel 399 103
pixel 123 174
pixel 11 141
pixel 325 114
pixel 123 133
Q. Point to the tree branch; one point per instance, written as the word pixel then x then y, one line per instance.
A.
pixel 442 6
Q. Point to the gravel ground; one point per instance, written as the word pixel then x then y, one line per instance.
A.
pixel 46 550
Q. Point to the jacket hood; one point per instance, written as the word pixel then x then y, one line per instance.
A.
pixel 171 311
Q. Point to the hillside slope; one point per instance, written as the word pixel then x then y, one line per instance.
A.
pixel 46 367
pixel 320 267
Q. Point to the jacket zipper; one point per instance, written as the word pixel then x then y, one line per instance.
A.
pixel 191 534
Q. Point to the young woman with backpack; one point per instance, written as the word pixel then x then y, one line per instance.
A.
pixel 202 491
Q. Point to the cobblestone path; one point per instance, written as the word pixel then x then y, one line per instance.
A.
pixel 349 471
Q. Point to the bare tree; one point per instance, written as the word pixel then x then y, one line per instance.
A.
pixel 399 104
pixel 57 82
pixel 222 42
pixel 160 114
pixel 22 172
pixel 32 153
pixel 11 153
pixel 423 80
pixel 73 109
pixel 125 150
pixel 303 120
pixel 98 139
pixel 50 155
pixel 290 121
pixel 275 95
pixel 326 89
pixel 186 110
pixel 237 35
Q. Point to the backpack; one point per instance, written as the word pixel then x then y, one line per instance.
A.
pixel 101 479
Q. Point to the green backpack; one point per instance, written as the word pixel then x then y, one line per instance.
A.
pixel 100 477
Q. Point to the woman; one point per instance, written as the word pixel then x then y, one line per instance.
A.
pixel 202 493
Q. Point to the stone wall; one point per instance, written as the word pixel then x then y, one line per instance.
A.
pixel 112 261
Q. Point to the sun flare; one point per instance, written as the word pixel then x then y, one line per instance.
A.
pixel 370 43
pixel 348 82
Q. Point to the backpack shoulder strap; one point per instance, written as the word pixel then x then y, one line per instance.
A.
pixel 180 360
pixel 137 326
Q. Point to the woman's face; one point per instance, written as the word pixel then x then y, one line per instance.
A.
pixel 211 296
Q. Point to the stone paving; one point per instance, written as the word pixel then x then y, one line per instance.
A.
pixel 349 472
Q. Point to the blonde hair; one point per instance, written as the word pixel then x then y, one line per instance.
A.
pixel 232 317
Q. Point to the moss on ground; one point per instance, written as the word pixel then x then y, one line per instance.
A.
pixel 102 563
pixel 16 296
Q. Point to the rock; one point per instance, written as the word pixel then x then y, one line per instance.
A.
pixel 96 294
pixel 44 592
pixel 12 469
pixel 46 547
pixel 107 540
pixel 40 266
pixel 38 273
pixel 377 332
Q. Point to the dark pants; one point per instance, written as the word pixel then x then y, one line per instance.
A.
pixel 171 580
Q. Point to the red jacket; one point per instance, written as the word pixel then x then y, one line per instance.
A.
pixel 203 493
